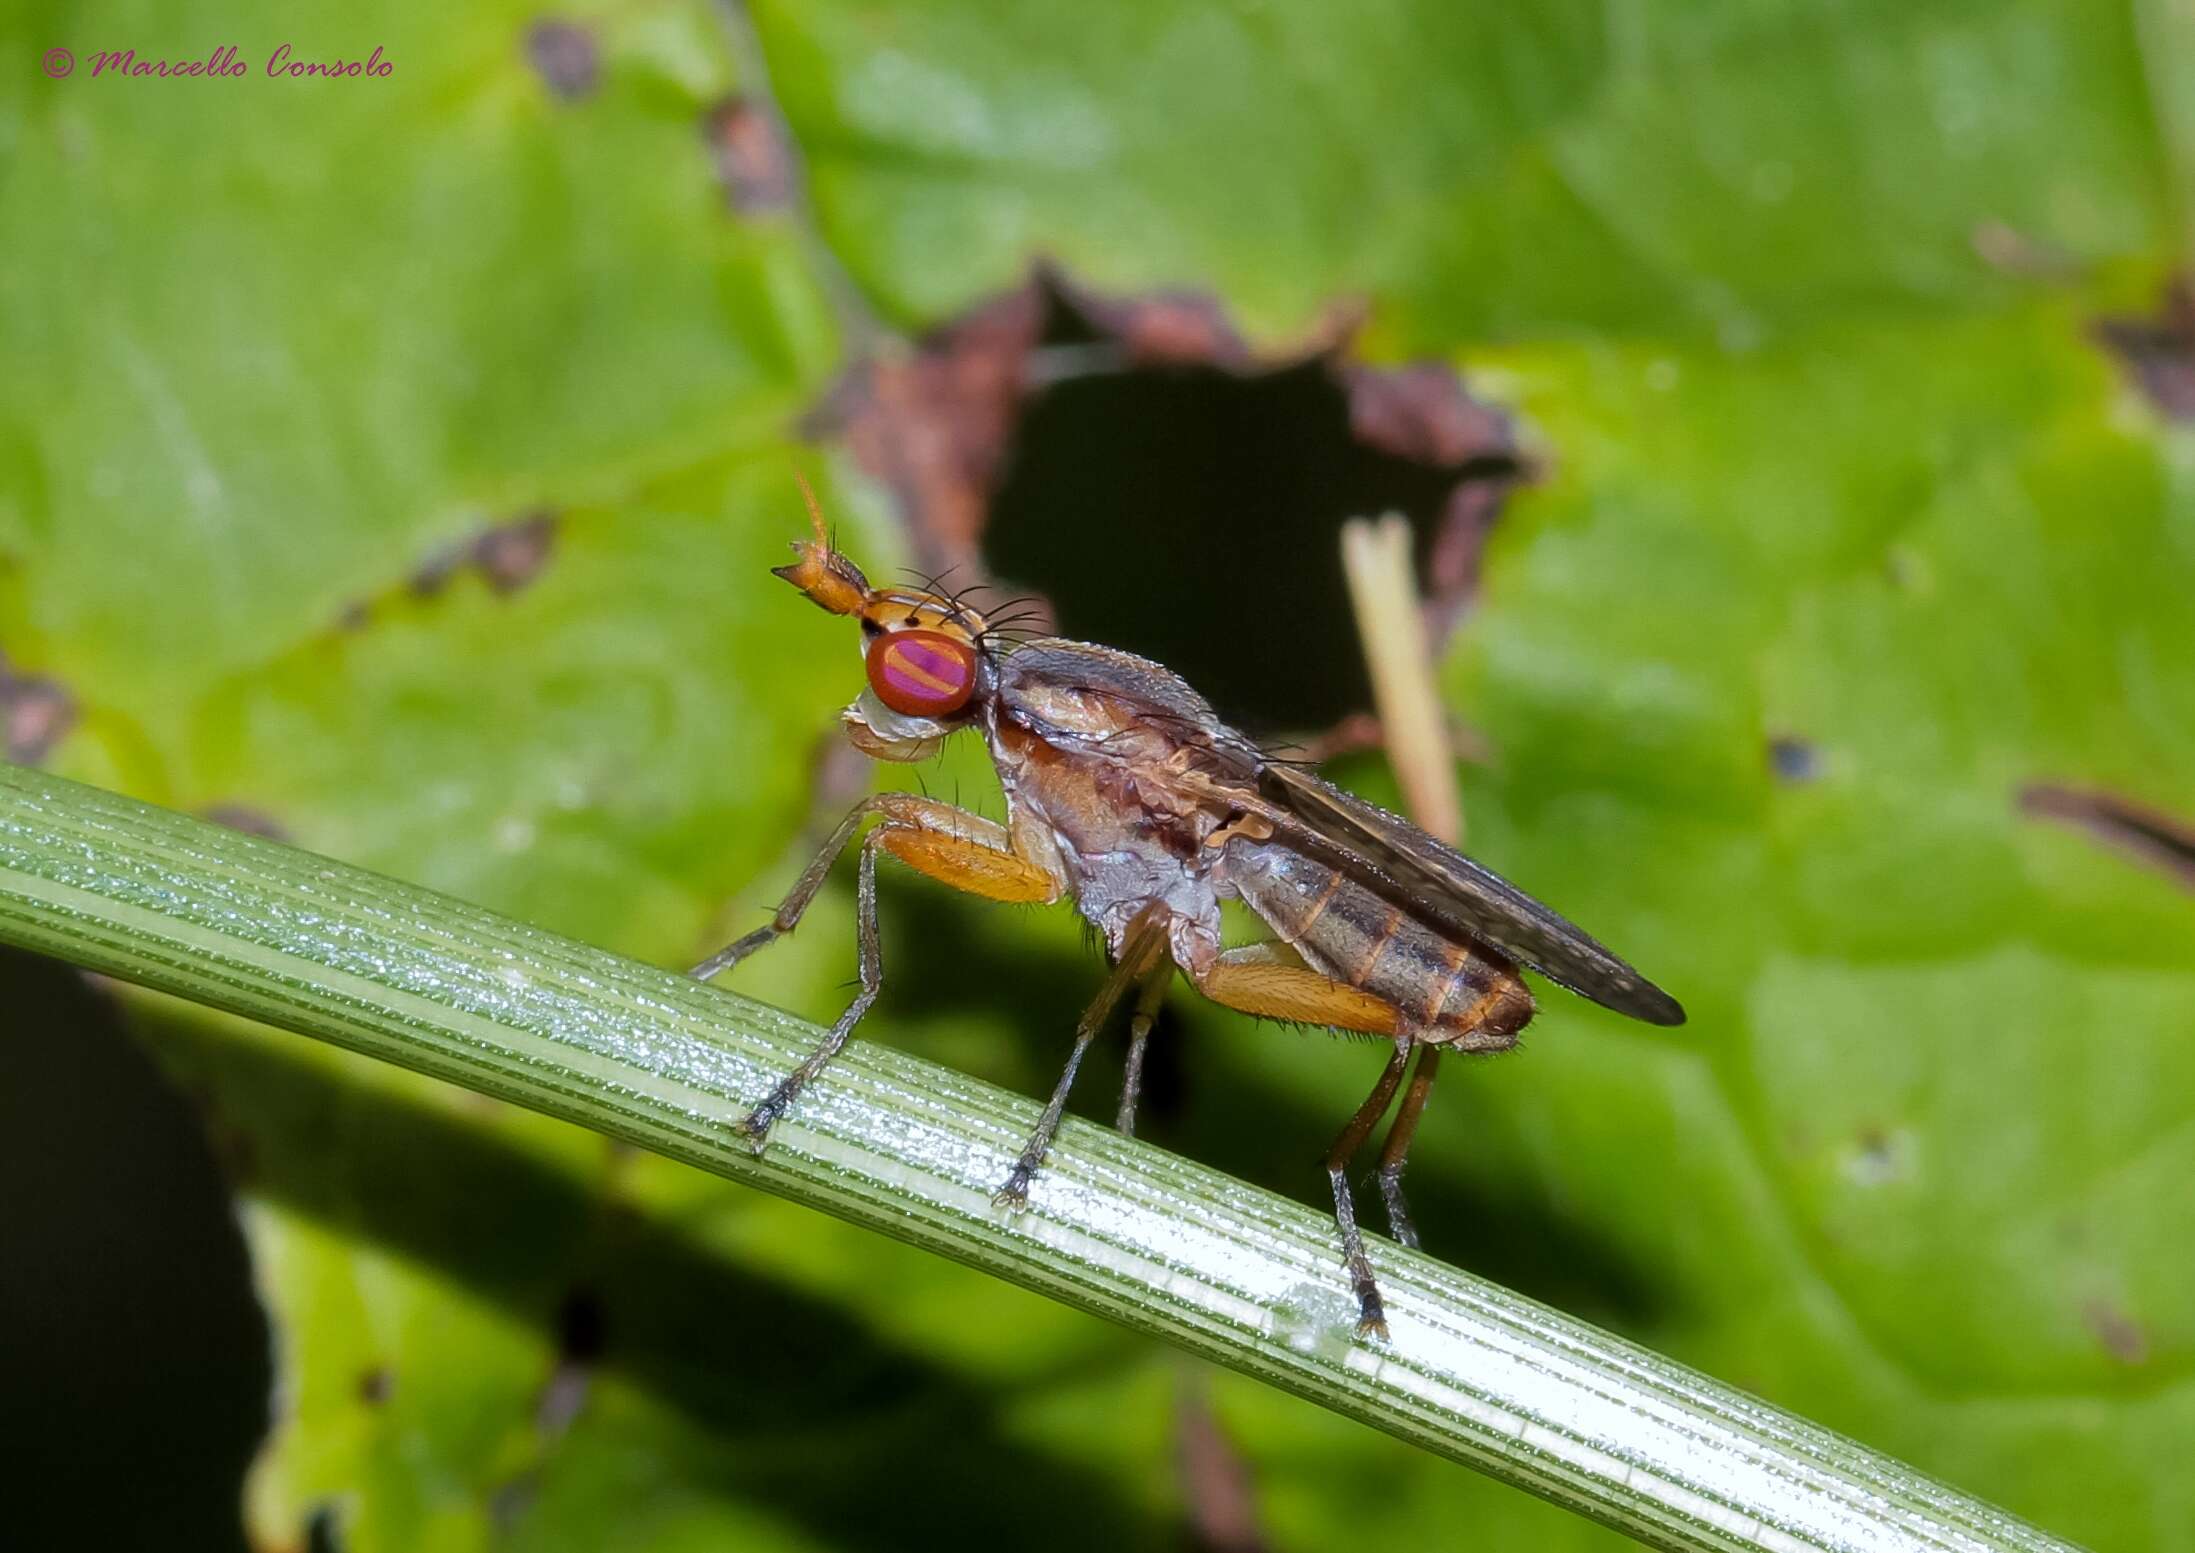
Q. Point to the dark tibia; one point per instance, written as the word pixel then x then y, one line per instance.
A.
pixel 1371 1312
pixel 1396 1151
pixel 1144 940
pixel 789 911
pixel 1139 1033
pixel 756 1127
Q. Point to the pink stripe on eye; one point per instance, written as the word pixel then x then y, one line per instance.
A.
pixel 922 672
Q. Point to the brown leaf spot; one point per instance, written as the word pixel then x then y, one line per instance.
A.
pixel 2158 353
pixel 2007 249
pixel 508 1505
pixel 324 1529
pixel 565 56
pixel 1215 1480
pixel 376 1385
pixel 35 714
pixel 2148 835
pixel 2122 1336
pixel 750 155
pixel 1792 759
pixel 581 1333
pixel 507 556
pixel 512 554
pixel 243 817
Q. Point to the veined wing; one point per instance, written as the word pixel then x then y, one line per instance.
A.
pixel 1466 896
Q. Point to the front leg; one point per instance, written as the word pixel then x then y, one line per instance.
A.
pixel 951 845
pixel 946 843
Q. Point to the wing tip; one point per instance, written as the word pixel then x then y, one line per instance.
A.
pixel 1654 1006
pixel 1633 996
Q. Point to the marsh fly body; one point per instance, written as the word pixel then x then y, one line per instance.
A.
pixel 1127 795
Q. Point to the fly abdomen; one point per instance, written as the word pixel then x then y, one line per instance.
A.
pixel 1356 935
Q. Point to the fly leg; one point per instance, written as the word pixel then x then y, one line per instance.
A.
pixel 1272 980
pixel 795 905
pixel 950 845
pixel 755 1126
pixel 1139 1033
pixel 1371 1310
pixel 1144 941
pixel 1397 1148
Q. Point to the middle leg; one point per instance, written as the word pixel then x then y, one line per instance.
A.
pixel 1139 1033
pixel 1144 943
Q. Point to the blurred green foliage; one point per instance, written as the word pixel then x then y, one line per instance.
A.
pixel 1795 300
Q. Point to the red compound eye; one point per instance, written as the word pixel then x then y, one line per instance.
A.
pixel 922 673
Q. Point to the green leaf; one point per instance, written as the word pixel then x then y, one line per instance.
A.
pixel 1799 302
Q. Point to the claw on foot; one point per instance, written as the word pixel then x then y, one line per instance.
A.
pixel 1014 1195
pixel 755 1128
pixel 1371 1313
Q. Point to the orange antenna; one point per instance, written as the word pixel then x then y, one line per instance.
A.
pixel 828 578
pixel 815 509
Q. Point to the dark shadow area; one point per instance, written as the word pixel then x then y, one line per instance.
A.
pixel 1191 513
pixel 134 1361
pixel 1239 1122
pixel 948 955
pixel 1205 1097
pixel 862 1444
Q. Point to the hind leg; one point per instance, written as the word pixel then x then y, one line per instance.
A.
pixel 1270 979
pixel 1397 1148
pixel 1371 1309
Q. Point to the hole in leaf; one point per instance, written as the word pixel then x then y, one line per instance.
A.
pixel 1171 491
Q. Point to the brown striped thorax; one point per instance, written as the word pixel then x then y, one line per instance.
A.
pixel 1126 793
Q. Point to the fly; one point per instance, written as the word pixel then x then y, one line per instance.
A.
pixel 1126 794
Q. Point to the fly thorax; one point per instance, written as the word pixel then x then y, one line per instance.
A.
pixel 1114 887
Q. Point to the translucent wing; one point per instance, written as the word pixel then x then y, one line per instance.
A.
pixel 1465 896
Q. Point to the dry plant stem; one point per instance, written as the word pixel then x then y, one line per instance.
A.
pixel 1157 1243
pixel 1383 594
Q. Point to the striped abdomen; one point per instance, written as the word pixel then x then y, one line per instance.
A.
pixel 1449 989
